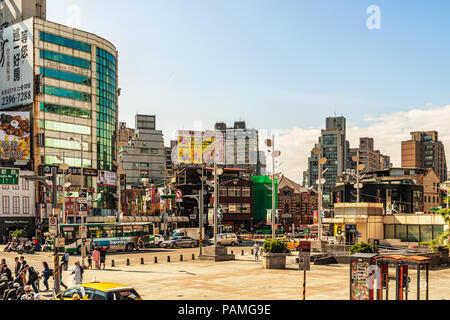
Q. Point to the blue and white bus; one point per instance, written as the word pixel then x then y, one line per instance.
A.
pixel 113 236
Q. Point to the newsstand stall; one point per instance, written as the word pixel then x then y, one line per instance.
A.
pixel 362 280
pixel 403 265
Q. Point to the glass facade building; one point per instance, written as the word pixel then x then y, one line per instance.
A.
pixel 78 101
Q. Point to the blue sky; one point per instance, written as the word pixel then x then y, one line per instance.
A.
pixel 275 64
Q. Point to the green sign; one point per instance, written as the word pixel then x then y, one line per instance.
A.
pixel 170 196
pixel 9 176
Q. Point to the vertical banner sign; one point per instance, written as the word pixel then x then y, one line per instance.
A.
pixel 269 217
pixel 16 65
pixel 211 217
pixel 316 217
pixel 153 194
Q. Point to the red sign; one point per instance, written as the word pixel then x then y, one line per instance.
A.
pixel 304 246
pixel 179 194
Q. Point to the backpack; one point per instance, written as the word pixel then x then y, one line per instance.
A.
pixel 50 272
pixel 33 273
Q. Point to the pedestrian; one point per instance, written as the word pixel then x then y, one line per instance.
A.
pixel 66 259
pixel 6 272
pixel 61 276
pixel 17 267
pixel 256 251
pixel 46 275
pixel 2 263
pixel 23 271
pixel 102 257
pixel 90 261
pixel 96 257
pixel 33 278
pixel 78 272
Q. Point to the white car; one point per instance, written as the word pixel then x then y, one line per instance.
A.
pixel 158 240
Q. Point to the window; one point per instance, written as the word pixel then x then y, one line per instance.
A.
pixel 5 204
pixel 62 58
pixel 16 207
pixel 245 208
pixel 25 184
pixel 15 187
pixel 65 76
pixel 154 151
pixel 5 187
pixel 223 192
pixel 65 42
pixel 246 192
pixel 65 144
pixel 26 205
pixel 65 127
pixel 65 93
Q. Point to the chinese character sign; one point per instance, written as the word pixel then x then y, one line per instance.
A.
pixel 15 131
pixel 16 65
pixel 193 147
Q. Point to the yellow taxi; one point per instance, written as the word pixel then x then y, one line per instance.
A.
pixel 99 291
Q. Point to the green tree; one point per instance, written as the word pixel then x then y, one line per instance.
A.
pixel 20 233
pixel 362 247
pixel 442 241
pixel 274 246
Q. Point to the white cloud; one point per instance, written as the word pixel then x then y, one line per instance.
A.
pixel 388 130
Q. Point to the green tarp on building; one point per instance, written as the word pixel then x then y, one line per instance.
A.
pixel 262 196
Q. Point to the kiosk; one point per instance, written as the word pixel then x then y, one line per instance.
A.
pixel 402 266
pixel 362 279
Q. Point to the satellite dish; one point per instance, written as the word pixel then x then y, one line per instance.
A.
pixel 323 161
pixel 317 151
pixel 64 166
pixel 361 167
pixel 269 143
pixel 120 171
pixel 323 181
pixel 276 154
pixel 356 186
pixel 355 158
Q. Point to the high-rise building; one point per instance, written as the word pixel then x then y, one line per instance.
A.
pixel 144 158
pixel 424 150
pixel 241 148
pixel 64 81
pixel 334 148
pixel 372 159
pixel 14 11
pixel 124 135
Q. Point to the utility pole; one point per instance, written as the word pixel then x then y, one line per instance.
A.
pixel 201 211
pixel 273 186
pixel 57 274
pixel 215 200
pixel 321 161
pixel 83 240
pixel 357 179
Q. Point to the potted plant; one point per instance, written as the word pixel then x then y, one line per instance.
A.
pixel 274 254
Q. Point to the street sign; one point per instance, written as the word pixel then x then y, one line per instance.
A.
pixel 178 194
pixel 356 186
pixel 170 196
pixel 192 216
pixel 53 226
pixel 9 176
pixel 304 246
pixel 179 200
pixel 82 193
pixel 304 261
pixel 83 231
pixel 83 207
pixel 339 229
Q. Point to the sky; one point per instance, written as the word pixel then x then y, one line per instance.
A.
pixel 279 65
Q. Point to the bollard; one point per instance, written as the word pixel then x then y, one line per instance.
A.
pixel 156 259
pixel 128 262
pixel 181 257
pixel 232 252
pixel 193 256
pixel 168 258
pixel 112 263
pixel 252 252
pixel 242 252
pixel 142 260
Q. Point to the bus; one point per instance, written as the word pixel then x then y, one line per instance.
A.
pixel 112 236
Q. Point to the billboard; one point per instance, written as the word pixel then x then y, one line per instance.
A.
pixel 195 147
pixel 107 178
pixel 15 128
pixel 16 65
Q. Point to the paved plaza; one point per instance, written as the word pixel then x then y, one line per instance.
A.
pixel 243 279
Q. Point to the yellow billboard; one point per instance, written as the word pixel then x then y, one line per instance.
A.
pixel 193 147
pixel 15 129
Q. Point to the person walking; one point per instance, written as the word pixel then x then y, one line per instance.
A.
pixel 66 259
pixel 102 257
pixel 61 276
pixel 46 275
pixel 33 278
pixel 17 267
pixel 256 251
pixel 96 257
pixel 78 272
pixel 6 272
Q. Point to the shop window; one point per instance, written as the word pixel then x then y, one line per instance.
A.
pixel 401 232
pixel 426 233
pixel 389 231
pixel 413 233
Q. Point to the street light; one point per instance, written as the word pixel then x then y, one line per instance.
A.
pixel 274 154
pixel 83 239
pixel 322 161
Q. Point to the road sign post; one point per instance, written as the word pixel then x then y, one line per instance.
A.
pixel 304 261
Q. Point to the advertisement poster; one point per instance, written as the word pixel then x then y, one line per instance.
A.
pixel 195 147
pixel 316 217
pixel 269 217
pixel 15 135
pixel 16 65
pixel 211 217
pixel 107 178
pixel 359 281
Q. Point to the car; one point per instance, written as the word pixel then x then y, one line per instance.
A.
pixel 99 291
pixel 226 239
pixel 159 239
pixel 179 242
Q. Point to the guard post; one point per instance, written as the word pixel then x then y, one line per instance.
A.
pixel 304 261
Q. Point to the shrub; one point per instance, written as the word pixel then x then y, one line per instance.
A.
pixel 362 248
pixel 274 246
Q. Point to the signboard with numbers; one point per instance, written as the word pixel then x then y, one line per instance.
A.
pixel 53 226
pixel 9 176
pixel 304 246
pixel 304 261
pixel 16 65
pixel 339 229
